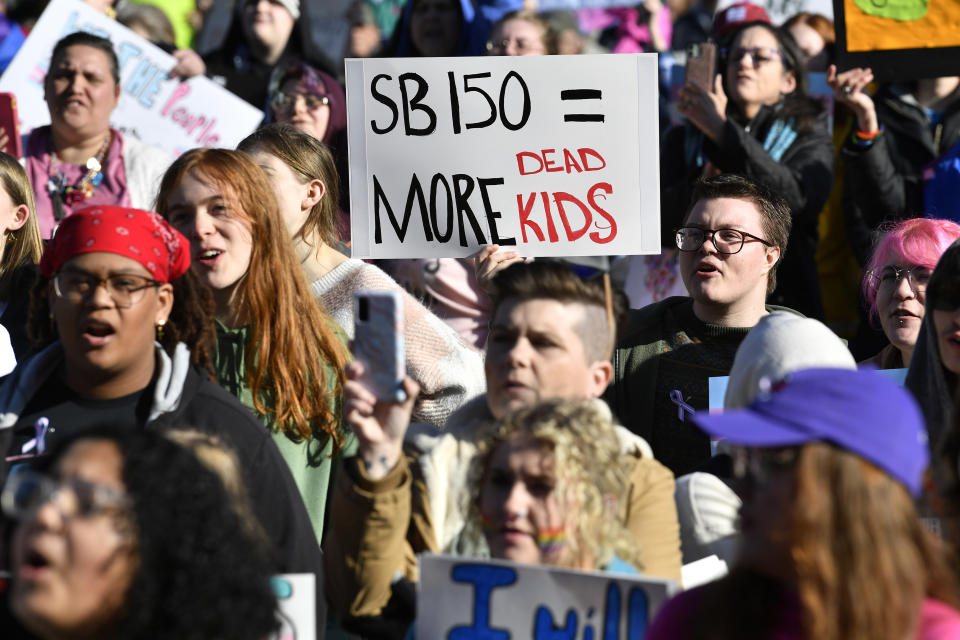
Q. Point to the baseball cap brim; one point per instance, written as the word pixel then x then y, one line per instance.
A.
pixel 748 428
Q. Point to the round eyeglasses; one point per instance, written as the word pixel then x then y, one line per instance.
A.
pixel 725 240
pixel 889 277
pixel 288 101
pixel 26 491
pixel 125 290
pixel 759 56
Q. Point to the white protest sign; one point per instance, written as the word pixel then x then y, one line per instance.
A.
pixel 165 112
pixel 462 599
pixel 297 605
pixel 545 155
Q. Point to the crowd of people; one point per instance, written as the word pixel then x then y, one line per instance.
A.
pixel 182 420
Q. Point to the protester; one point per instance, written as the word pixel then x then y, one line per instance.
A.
pixel 149 22
pixel 731 243
pixel 365 36
pixel 278 349
pixel 262 36
pixel 896 134
pixel 522 33
pixel 932 376
pixel 315 103
pixel 895 283
pixel 299 167
pixel 759 121
pixel 437 28
pixel 78 159
pixel 778 345
pixel 124 534
pixel 693 24
pixel 550 338
pixel 20 250
pixel 128 340
pixel 815 36
pixel 545 486
pixel 831 544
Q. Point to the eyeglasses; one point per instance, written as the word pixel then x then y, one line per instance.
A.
pixel 521 46
pixel 758 55
pixel 126 290
pixel 725 240
pixel 26 491
pixel 760 464
pixel 888 278
pixel 288 101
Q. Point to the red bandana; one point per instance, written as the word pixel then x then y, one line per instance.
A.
pixel 140 235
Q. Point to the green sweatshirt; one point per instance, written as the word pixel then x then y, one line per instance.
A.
pixel 310 461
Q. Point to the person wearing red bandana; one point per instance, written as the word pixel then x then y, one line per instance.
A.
pixel 126 332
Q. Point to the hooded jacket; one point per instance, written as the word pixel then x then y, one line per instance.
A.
pixel 182 397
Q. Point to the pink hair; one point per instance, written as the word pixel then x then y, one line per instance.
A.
pixel 918 241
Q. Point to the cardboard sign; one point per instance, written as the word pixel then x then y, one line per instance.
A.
pixel 903 40
pixel 296 605
pixel 162 111
pixel 545 155
pixel 461 599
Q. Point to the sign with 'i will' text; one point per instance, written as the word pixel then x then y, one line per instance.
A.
pixel 463 599
pixel 545 155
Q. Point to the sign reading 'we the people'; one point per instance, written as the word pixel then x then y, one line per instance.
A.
pixel 166 112
pixel 546 155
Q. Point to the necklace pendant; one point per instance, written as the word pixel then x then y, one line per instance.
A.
pixel 93 164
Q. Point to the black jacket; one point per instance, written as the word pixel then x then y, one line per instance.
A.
pixel 803 177
pixel 182 397
pixel 884 182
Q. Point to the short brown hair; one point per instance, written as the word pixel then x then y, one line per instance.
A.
pixel 551 280
pixel 774 211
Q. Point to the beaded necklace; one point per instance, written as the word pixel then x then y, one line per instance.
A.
pixel 73 195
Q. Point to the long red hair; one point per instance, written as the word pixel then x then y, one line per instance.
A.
pixel 294 359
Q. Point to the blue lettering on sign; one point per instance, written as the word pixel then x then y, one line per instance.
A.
pixel 127 50
pixel 485 579
pixel 72 26
pixel 544 627
pixel 638 609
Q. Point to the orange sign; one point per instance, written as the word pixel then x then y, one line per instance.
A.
pixel 870 31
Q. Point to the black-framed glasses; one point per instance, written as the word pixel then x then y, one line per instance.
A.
pixel 725 240
pixel 759 56
pixel 27 490
pixel 888 278
pixel 126 290
pixel 288 101
pixel 759 464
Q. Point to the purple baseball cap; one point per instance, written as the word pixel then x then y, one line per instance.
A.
pixel 860 411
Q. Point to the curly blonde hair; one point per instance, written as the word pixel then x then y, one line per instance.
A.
pixel 590 470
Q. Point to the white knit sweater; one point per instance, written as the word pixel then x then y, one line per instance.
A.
pixel 449 371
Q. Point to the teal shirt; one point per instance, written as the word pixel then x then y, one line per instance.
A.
pixel 310 462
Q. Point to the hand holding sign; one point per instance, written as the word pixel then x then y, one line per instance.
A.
pixel 380 426
pixel 490 261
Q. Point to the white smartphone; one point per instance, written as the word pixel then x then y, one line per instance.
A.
pixel 378 342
